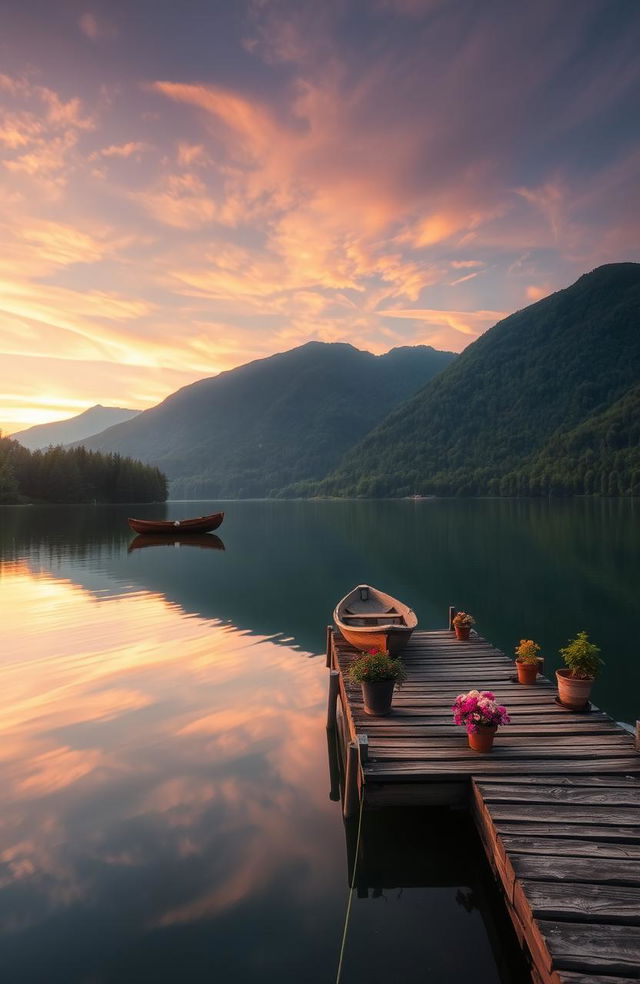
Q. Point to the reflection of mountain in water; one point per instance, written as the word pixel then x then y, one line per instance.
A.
pixel 530 568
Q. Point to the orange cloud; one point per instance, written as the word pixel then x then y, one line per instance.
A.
pixel 447 326
pixel 134 148
pixel 180 200
pixel 534 293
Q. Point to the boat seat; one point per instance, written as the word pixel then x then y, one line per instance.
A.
pixel 385 615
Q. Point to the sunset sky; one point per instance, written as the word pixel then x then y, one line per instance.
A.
pixel 191 184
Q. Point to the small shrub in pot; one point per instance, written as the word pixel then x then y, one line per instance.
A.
pixel 462 623
pixel 378 673
pixel 582 659
pixel 527 661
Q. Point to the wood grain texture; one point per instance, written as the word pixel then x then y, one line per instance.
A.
pixel 584 946
pixel 583 903
pixel 556 803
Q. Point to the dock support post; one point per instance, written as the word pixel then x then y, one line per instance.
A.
pixel 452 613
pixel 334 687
pixel 363 741
pixel 329 646
pixel 638 735
pixel 334 766
pixel 351 797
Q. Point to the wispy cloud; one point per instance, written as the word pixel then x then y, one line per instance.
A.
pixel 307 174
pixel 96 28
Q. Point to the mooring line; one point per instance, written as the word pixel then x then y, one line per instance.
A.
pixel 351 887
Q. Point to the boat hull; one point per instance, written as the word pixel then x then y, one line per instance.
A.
pixel 203 524
pixel 394 640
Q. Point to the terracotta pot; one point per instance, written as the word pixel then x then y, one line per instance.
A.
pixel 462 631
pixel 482 739
pixel 573 692
pixel 377 697
pixel 527 672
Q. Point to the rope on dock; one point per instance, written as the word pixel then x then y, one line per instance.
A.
pixel 350 897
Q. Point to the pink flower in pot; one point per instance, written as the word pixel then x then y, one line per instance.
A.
pixel 479 711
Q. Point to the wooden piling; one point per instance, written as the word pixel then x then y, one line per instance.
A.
pixel 329 660
pixel 334 765
pixel 452 614
pixel 638 735
pixel 351 792
pixel 332 706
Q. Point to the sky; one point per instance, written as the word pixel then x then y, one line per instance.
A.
pixel 188 185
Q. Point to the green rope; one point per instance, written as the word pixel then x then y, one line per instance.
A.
pixel 349 900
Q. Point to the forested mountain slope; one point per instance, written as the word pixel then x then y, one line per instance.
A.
pixel 558 367
pixel 600 456
pixel 254 429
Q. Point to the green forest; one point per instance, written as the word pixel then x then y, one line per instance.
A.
pixel 75 475
pixel 547 402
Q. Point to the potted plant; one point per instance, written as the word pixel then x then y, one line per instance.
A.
pixel 481 713
pixel 527 661
pixel 583 662
pixel 462 623
pixel 378 673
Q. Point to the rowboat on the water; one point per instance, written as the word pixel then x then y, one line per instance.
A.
pixel 203 524
pixel 369 618
pixel 202 540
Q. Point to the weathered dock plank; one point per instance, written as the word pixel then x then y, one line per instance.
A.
pixel 556 802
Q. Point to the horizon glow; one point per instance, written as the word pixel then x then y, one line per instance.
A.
pixel 184 189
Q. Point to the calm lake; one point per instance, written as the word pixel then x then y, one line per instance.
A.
pixel 166 785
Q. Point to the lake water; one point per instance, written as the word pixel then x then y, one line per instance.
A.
pixel 166 812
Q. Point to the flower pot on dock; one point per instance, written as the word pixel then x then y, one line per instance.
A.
pixel 481 740
pixel 377 697
pixel 480 712
pixel 461 623
pixel 572 691
pixel 527 661
pixel 582 659
pixel 527 672
pixel 377 672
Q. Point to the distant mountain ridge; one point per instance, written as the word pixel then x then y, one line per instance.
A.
pixel 545 402
pixel 72 429
pixel 252 430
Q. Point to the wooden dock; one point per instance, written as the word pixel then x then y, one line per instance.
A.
pixel 557 801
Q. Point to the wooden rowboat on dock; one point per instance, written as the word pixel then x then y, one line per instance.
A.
pixel 203 524
pixel 369 618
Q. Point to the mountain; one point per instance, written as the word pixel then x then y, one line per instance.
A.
pixel 518 408
pixel 252 430
pixel 74 428
pixel 600 455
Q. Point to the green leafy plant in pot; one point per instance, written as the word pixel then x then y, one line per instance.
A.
pixel 378 673
pixel 527 661
pixel 462 623
pixel 583 662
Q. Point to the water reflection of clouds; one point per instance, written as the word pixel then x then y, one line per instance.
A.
pixel 135 740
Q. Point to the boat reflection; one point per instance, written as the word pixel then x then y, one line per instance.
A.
pixel 206 541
